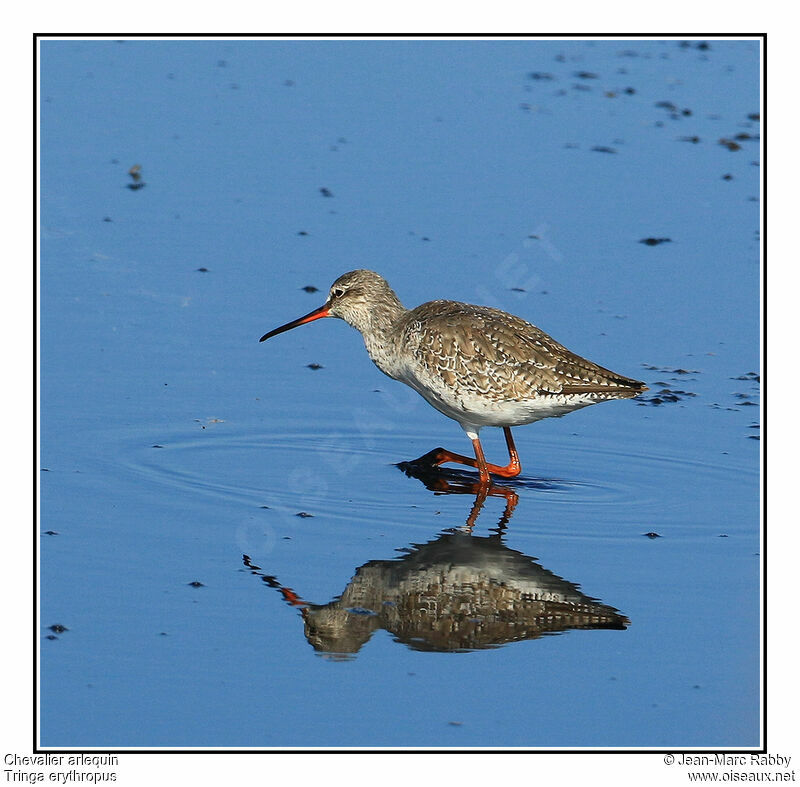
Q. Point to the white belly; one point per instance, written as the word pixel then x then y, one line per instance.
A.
pixel 475 412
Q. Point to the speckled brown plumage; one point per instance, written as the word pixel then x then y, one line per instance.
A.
pixel 477 365
pixel 499 355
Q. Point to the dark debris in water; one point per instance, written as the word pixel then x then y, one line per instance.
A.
pixel 730 144
pixel 303 514
pixel 663 396
pixel 196 584
pixel 669 370
pixel 57 628
pixel 666 393
pixel 310 288
pixel 753 376
pixel 745 400
pixel 741 399
pixel 655 241
pixel 315 366
pixel 136 175
pixel 652 534
pixel 603 149
pixel 675 112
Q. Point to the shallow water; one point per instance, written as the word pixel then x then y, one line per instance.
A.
pixel 226 536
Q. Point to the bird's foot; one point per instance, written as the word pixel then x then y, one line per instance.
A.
pixel 440 456
pixel 434 458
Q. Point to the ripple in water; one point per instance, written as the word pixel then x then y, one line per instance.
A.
pixel 356 475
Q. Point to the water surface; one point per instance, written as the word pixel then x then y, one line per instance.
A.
pixel 227 539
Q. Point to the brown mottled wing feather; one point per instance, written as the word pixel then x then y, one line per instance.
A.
pixel 502 356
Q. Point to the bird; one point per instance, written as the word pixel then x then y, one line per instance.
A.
pixel 478 365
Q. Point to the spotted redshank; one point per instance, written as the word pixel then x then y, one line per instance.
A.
pixel 477 365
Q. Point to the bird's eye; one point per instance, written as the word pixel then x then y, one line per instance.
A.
pixel 338 292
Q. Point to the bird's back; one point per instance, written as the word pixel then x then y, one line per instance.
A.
pixel 489 353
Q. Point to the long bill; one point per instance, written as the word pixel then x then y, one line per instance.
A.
pixel 322 311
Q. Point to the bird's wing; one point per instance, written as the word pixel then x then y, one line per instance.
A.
pixel 500 355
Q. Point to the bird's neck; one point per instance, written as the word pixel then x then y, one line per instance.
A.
pixel 378 326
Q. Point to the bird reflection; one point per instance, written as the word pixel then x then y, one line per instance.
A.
pixel 459 592
pixel 455 482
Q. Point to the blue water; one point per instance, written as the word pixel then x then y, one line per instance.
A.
pixel 516 174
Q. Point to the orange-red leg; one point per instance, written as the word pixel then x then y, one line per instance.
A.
pixel 439 456
pixel 288 594
pixel 481 492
